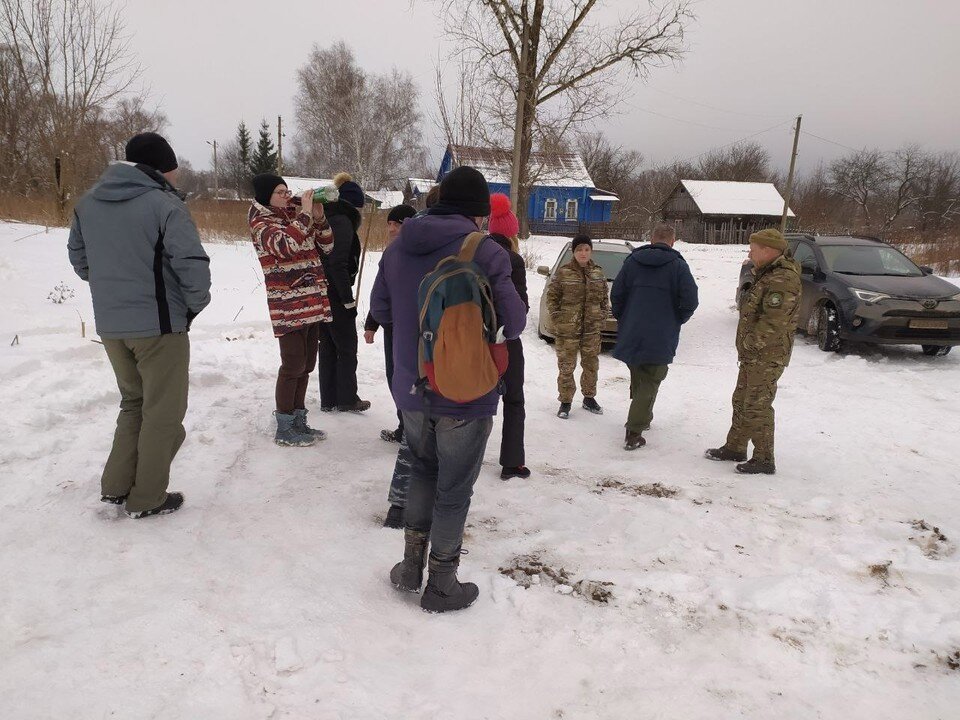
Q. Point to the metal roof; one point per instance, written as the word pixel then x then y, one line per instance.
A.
pixel 547 169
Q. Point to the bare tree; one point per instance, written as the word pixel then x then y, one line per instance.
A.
pixel 862 178
pixel 463 120
pixel 614 168
pixel 131 116
pixel 348 119
pixel 939 190
pixel 742 162
pixel 71 61
pixel 556 64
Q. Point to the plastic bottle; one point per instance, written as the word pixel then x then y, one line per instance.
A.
pixel 326 194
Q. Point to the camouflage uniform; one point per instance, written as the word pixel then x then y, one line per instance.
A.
pixel 579 304
pixel 764 343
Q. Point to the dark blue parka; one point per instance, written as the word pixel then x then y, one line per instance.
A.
pixel 653 295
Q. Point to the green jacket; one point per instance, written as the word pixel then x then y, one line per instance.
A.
pixel 768 313
pixel 578 300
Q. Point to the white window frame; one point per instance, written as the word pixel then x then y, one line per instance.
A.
pixel 572 217
pixel 547 205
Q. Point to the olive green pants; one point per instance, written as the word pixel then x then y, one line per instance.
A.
pixel 152 374
pixel 588 348
pixel 753 417
pixel 644 384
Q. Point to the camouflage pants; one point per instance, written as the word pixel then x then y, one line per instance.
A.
pixel 567 349
pixel 753 417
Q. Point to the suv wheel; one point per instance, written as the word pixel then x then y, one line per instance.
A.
pixel 935 350
pixel 828 329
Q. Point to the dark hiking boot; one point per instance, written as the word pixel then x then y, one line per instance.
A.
pixel 394 436
pixel 444 592
pixel 394 518
pixel 287 433
pixel 113 499
pixel 592 405
pixel 564 411
pixel 358 406
pixel 300 425
pixel 170 505
pixel 757 467
pixel 520 471
pixel 328 408
pixel 723 453
pixel 633 441
pixel 408 574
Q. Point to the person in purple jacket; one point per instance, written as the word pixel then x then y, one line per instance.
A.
pixel 447 438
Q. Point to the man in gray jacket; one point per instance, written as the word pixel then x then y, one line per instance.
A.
pixel 133 240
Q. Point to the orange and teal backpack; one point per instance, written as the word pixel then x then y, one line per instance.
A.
pixel 459 356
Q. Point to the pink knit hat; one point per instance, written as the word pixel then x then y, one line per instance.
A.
pixel 502 220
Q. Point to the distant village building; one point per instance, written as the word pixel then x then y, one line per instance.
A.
pixel 415 191
pixel 563 191
pixel 722 212
pixel 384 199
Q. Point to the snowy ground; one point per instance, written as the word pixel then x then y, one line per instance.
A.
pixel 822 592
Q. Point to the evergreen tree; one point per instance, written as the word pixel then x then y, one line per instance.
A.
pixel 264 158
pixel 244 144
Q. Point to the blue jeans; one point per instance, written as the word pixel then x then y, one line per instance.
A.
pixel 447 455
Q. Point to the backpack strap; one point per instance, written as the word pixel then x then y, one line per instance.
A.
pixel 470 245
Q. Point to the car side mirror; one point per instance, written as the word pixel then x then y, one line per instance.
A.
pixel 543 270
pixel 926 270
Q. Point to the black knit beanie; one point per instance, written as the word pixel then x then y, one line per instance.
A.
pixel 264 185
pixel 400 213
pixel 465 189
pixel 153 150
pixel 580 240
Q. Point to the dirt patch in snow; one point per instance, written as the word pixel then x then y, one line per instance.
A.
pixel 531 571
pixel 933 543
pixel 656 489
pixel 881 571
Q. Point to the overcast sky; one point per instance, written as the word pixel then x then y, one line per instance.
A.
pixel 875 73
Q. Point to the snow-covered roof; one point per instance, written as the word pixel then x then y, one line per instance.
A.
pixel 547 169
pixel 723 197
pixel 421 186
pixel 386 198
pixel 299 185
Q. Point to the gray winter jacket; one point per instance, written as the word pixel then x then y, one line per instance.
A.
pixel 134 241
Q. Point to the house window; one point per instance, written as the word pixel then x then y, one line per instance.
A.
pixel 571 210
pixel 550 209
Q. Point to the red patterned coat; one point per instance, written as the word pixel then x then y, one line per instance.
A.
pixel 289 243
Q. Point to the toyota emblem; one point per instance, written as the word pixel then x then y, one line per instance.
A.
pixel 929 304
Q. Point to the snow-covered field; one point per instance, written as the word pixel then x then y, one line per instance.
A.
pixel 822 592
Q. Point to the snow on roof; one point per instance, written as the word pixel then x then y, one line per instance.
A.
pixel 421 186
pixel 386 198
pixel 547 169
pixel 299 185
pixel 722 197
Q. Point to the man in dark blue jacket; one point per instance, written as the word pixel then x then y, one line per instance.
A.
pixel 653 295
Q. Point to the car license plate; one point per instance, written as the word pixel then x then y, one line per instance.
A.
pixel 924 324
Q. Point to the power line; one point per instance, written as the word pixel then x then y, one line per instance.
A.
pixel 832 142
pixel 711 107
pixel 739 140
pixel 681 120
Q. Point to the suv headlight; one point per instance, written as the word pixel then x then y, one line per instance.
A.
pixel 869 296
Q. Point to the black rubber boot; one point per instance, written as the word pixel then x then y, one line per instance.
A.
pixel 113 499
pixel 723 453
pixel 394 518
pixel 173 503
pixel 408 574
pixel 592 405
pixel 757 467
pixel 633 441
pixel 520 471
pixel 444 592
pixel 564 411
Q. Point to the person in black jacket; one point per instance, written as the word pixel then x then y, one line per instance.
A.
pixel 395 219
pixel 504 228
pixel 338 339
pixel 653 295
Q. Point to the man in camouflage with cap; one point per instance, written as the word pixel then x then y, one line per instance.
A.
pixel 764 342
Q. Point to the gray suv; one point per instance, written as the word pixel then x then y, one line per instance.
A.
pixel 863 290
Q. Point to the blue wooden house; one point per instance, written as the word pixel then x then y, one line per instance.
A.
pixel 562 192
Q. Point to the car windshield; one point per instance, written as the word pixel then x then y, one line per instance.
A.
pixel 611 262
pixel 868 260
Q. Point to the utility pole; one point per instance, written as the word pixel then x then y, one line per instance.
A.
pixel 793 163
pixel 216 171
pixel 279 145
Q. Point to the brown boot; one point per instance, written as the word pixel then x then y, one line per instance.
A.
pixel 633 441
pixel 757 467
